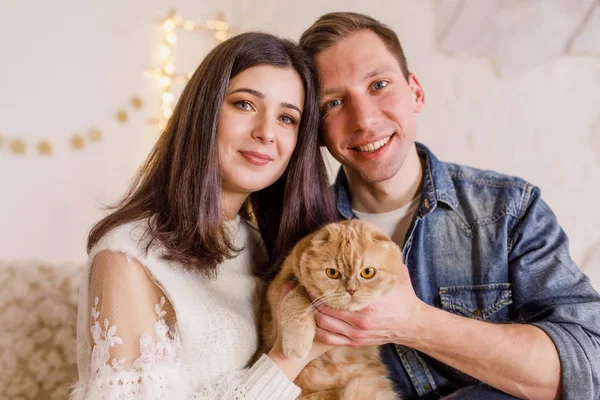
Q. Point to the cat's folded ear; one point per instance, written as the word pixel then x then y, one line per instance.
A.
pixel 381 239
pixel 323 235
pixel 371 231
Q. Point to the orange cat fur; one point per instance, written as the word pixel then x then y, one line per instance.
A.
pixel 346 265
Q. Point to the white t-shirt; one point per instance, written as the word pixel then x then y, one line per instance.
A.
pixel 393 223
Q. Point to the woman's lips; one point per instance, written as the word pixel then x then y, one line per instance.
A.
pixel 256 158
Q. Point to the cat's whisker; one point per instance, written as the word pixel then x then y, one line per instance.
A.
pixel 314 305
pixel 309 310
pixel 317 306
pixel 319 303
pixel 323 298
pixel 320 298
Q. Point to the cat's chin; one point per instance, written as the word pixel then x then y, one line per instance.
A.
pixel 355 306
pixel 347 306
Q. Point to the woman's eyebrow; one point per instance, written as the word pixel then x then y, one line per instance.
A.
pixel 290 105
pixel 261 96
pixel 253 92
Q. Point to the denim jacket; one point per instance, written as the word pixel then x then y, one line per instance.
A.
pixel 486 246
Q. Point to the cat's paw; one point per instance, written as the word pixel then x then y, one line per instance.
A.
pixel 295 346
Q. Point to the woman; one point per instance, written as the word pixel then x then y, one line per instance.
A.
pixel 168 307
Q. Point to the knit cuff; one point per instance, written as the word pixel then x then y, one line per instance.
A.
pixel 266 381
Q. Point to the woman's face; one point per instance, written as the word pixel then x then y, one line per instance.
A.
pixel 258 127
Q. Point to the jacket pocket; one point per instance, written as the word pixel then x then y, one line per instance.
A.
pixel 483 302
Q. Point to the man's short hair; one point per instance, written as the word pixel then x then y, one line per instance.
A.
pixel 333 27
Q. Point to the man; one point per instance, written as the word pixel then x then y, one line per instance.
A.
pixel 481 249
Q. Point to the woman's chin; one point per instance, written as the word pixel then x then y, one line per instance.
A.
pixel 258 184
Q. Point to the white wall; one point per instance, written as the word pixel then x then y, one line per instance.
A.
pixel 69 65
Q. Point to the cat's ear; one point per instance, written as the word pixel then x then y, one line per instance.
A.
pixel 381 239
pixel 323 235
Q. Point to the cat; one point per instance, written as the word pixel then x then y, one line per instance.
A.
pixel 346 265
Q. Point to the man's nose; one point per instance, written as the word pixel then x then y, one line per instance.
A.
pixel 364 113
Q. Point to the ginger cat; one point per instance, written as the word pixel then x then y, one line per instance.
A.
pixel 346 265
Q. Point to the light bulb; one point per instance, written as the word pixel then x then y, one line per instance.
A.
pixel 171 38
pixel 221 36
pixel 169 25
pixel 189 25
pixel 165 81
pixel 165 51
pixel 167 111
pixel 168 97
pixel 169 68
pixel 221 26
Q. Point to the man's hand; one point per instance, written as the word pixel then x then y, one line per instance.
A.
pixel 517 359
pixel 392 319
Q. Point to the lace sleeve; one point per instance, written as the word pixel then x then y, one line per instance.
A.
pixel 132 333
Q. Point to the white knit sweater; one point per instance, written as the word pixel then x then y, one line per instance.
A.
pixel 193 342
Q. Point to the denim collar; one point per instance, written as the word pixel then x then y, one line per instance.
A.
pixel 437 187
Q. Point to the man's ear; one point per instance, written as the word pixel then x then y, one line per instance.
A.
pixel 418 93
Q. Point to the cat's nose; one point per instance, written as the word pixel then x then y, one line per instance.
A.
pixel 351 291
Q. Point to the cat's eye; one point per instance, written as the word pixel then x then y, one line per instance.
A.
pixel 332 273
pixel 368 273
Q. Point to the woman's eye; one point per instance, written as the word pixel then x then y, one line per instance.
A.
pixel 333 103
pixel 243 105
pixel 379 85
pixel 286 119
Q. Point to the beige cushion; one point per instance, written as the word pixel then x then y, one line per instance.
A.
pixel 38 315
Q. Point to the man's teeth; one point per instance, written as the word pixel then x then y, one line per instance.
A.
pixel 374 146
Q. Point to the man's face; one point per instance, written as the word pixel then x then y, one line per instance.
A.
pixel 368 108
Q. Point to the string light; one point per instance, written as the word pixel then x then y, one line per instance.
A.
pixel 168 97
pixel 169 25
pixel 169 68
pixel 77 142
pixel 165 51
pixel 136 102
pixel 95 135
pixel 166 73
pixel 17 146
pixel 121 116
pixel 171 38
pixel 44 148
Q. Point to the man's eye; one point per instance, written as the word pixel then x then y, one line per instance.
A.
pixel 333 103
pixel 379 85
pixel 243 105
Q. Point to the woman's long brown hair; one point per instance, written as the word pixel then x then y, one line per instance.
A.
pixel 178 187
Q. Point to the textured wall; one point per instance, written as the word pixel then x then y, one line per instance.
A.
pixel 508 87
